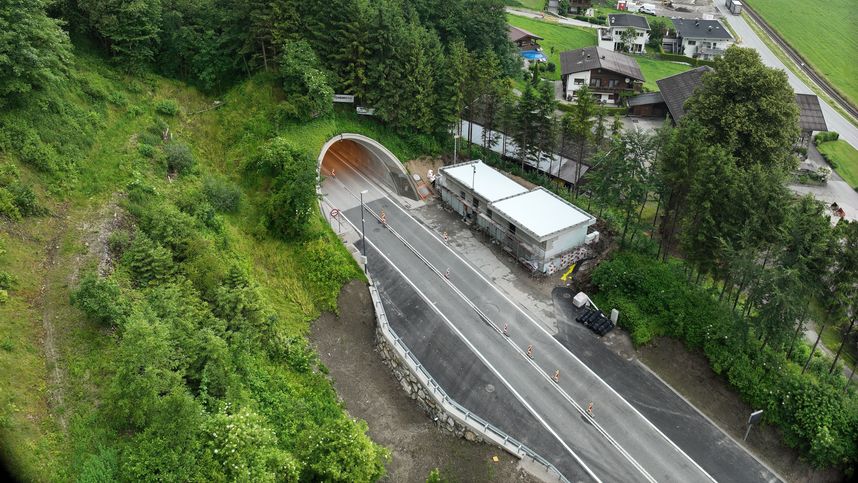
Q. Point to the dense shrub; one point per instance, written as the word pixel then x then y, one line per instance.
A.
pixel 826 136
pixel 8 209
pixel 146 150
pixel 150 138
pixel 293 196
pixel 812 409
pixel 149 261
pixel 101 299
pixel 223 195
pixel 167 107
pixel 179 157
pixel 327 267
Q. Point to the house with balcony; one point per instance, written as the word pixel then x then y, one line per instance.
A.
pixel 699 39
pixel 609 75
pixel 625 33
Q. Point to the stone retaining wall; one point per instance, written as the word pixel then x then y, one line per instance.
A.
pixel 417 391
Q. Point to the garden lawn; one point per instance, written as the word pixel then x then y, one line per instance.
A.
pixel 843 158
pixel 529 4
pixel 654 70
pixel 824 34
pixel 560 37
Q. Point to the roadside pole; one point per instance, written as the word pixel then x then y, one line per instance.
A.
pixel 755 417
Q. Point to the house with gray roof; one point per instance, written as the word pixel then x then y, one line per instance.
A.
pixel 609 75
pixel 625 33
pixel 677 89
pixel 700 39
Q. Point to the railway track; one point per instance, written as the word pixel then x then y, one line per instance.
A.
pixel 817 79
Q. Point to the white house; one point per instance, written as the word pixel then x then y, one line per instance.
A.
pixel 547 225
pixel 634 27
pixel 701 39
pixel 609 75
pixel 538 227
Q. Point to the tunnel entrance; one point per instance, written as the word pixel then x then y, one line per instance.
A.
pixel 369 157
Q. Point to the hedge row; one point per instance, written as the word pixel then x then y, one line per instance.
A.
pixel 815 412
pixel 685 59
pixel 825 137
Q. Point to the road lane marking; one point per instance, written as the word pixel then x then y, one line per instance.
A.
pixel 613 442
pixel 534 322
pixel 480 355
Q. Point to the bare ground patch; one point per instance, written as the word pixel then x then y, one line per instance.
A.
pixel 346 345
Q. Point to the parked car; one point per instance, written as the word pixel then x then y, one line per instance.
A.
pixel 647 8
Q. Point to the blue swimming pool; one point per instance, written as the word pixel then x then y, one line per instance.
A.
pixel 533 55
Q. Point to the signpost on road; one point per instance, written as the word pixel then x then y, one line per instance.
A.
pixel 755 417
pixel 335 213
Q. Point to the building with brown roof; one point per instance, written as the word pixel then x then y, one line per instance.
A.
pixel 523 39
pixel 609 75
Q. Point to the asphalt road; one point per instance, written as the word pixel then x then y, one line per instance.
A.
pixel 618 444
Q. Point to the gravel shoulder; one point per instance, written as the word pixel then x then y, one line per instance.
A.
pixel 346 345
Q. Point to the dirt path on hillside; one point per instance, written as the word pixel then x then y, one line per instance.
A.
pixel 56 377
pixel 346 345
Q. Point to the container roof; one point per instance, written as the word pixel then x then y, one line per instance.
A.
pixel 490 183
pixel 542 213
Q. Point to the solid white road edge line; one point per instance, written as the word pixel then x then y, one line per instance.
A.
pixel 537 324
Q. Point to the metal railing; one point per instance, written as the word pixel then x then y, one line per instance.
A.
pixel 456 410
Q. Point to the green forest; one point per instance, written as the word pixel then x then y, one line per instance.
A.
pixel 162 255
pixel 160 233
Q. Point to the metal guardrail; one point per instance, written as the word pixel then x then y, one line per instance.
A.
pixel 434 389
pixel 440 396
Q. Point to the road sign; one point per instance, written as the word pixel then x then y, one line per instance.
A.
pixel 365 111
pixel 755 417
pixel 349 99
pixel 335 213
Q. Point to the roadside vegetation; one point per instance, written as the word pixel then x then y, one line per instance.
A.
pixel 753 258
pixel 714 250
pixel 828 43
pixel 161 249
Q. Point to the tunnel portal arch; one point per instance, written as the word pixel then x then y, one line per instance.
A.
pixel 373 159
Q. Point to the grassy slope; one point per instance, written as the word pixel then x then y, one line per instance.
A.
pixel 560 37
pixel 32 439
pixel 569 38
pixel 654 70
pixel 530 4
pixel 844 158
pixel 823 33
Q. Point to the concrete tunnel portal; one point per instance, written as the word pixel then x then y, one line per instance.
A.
pixel 372 159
